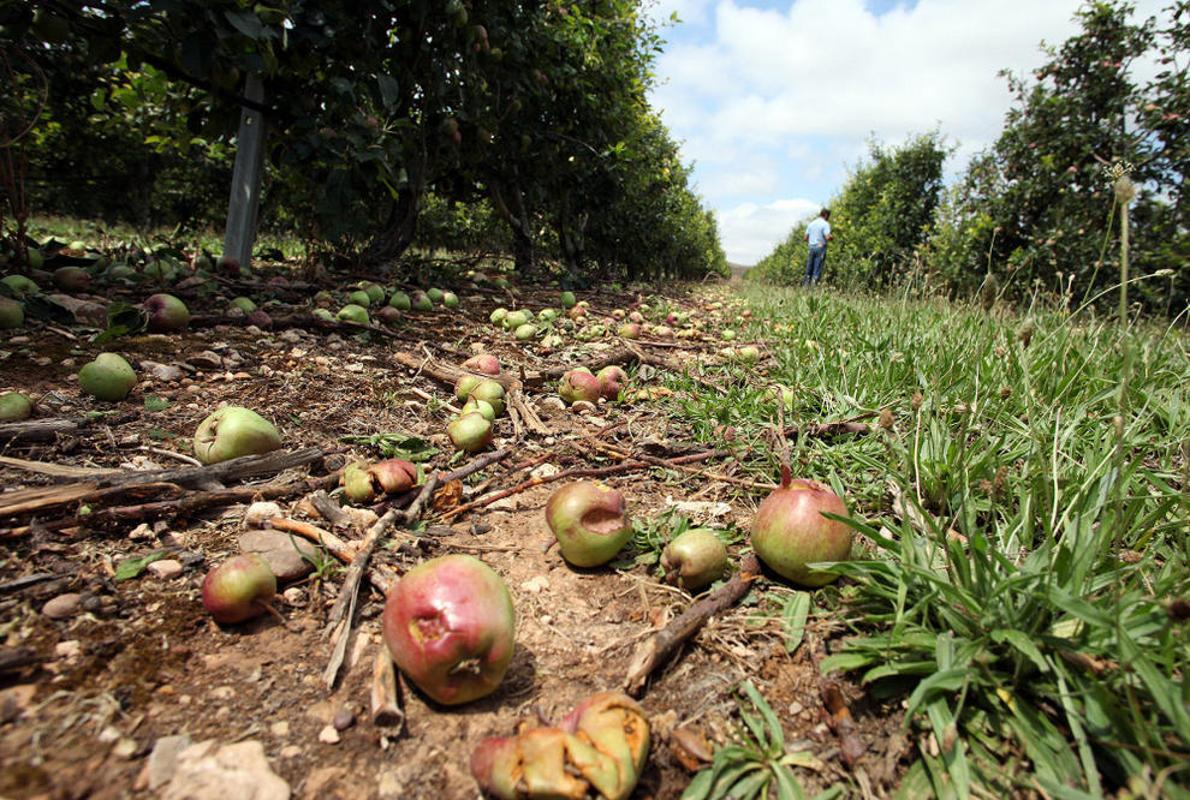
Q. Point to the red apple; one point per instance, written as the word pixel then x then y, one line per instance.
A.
pixel 239 589
pixel 579 385
pixel 450 626
pixel 167 314
pixel 486 363
pixel 790 532
pixel 612 381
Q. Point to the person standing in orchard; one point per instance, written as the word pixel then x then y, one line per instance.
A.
pixel 818 233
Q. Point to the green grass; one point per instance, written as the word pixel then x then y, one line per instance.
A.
pixel 1036 649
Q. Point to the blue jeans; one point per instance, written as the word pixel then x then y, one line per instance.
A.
pixel 814 264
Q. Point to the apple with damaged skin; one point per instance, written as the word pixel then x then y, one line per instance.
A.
pixel 498 315
pixel 354 313
pixel 629 330
pixel 579 385
pixel 12 314
pixel 357 484
pixel 470 432
pixel 694 560
pixel 109 377
pixel 14 407
pixel 388 315
pixel 362 483
pixel 489 391
pixel 486 363
pixel 450 625
pixel 167 314
pixel 239 589
pixel 400 301
pixel 612 380
pixel 72 279
pixel 422 302
pixel 790 532
pixel 636 317
pixel 590 522
pixel 234 431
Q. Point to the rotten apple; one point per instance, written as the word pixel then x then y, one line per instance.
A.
pixel 450 626
pixel 590 522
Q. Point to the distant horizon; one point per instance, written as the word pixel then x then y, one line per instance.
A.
pixel 772 112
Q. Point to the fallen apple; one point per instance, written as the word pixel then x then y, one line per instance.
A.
pixel 578 385
pixel 486 363
pixel 515 319
pixel 123 273
pixel 354 313
pixel 109 377
pixel 234 431
pixel 525 332
pixel 12 314
pixel 547 314
pixel 450 300
pixel 727 335
pixel 239 589
pixel 567 300
pixel 435 295
pixel 72 279
pixel 482 407
pixel 19 285
pixel 694 560
pixel 362 483
pixel 34 258
pixel 160 270
pixel 598 750
pixel 470 432
pixel 388 315
pixel 167 314
pixel 790 532
pixel 260 318
pixel 497 316
pixel 630 330
pixel 612 380
pixel 324 315
pixel 400 301
pixel 421 302
pixel 747 355
pixel 360 298
pixel 357 484
pixel 590 522
pixel 374 291
pixel 450 626
pixel 490 391
pixel 14 407
pixel 465 384
pixel 636 317
pixel 245 304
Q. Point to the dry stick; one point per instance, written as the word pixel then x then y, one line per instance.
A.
pixel 339 548
pixel 55 470
pixel 40 430
pixel 597 472
pixel 329 510
pixel 343 613
pixel 702 473
pixel 182 506
pixel 387 710
pixel 662 362
pixel 657 649
pixel 40 498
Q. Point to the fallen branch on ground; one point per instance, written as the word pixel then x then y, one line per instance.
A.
pixel 658 648
pixel 386 693
pixel 41 430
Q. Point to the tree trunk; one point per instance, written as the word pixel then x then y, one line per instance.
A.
pixel 509 202
pixel 399 229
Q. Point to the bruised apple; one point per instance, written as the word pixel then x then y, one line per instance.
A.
pixel 232 432
pixel 590 522
pixel 790 532
pixel 239 589
pixel 450 626
pixel 579 384
pixel 612 380
pixel 486 363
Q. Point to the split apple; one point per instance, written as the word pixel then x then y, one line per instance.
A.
pixel 590 522
pixel 232 432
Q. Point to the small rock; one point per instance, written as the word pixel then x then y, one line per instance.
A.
pixel 213 771
pixel 206 360
pixel 142 531
pixel 194 388
pixel 291 751
pixel 125 748
pixel 545 471
pixel 536 585
pixel 253 330
pixel 291 336
pixel 344 719
pixel 223 693
pixel 280 729
pixel 63 606
pixel 282 552
pixel 294 596
pixel 71 648
pixel 159 767
pixel 166 569
pixel 582 407
pixel 166 373
pixel 553 402
pixel 362 518
pixel 328 735
pixel 259 513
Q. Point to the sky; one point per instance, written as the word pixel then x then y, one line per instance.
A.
pixel 773 100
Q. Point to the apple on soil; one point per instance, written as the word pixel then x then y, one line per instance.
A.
pixel 232 432
pixel 590 522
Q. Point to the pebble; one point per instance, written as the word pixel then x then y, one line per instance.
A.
pixel 166 569
pixel 71 648
pixel 280 728
pixel 166 373
pixel 142 531
pixel 125 748
pixel 207 360
pixel 536 585
pixel 291 336
pixel 344 719
pixel 291 751
pixel 328 735
pixel 159 767
pixel 63 606
pixel 294 596
pixel 214 771
pixel 282 552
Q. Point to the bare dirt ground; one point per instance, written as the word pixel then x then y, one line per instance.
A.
pixel 137 660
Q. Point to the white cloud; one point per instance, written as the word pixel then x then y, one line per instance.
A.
pixel 747 229
pixel 805 85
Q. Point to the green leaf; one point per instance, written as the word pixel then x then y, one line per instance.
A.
pixel 154 404
pixel 246 23
pixel 793 618
pixel 945 681
pixel 1024 644
pixel 390 91
pixel 131 568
